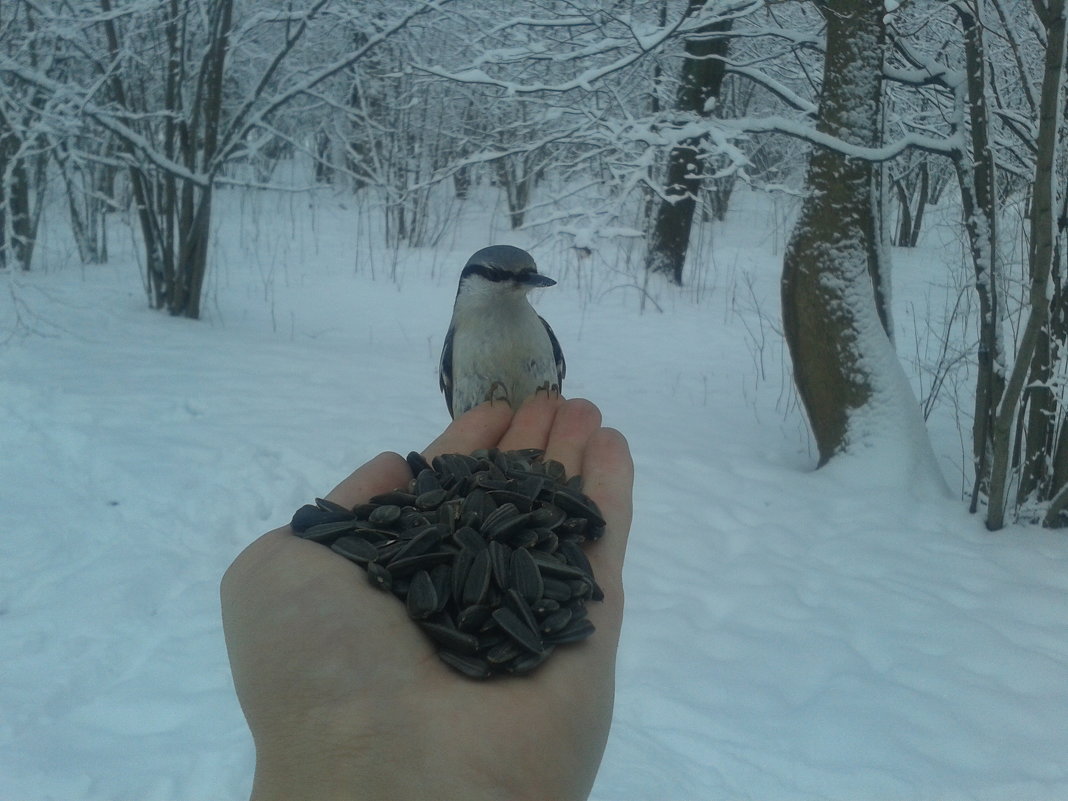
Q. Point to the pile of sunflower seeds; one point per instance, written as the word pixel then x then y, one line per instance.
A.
pixel 485 551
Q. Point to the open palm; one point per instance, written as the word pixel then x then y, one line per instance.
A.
pixel 346 698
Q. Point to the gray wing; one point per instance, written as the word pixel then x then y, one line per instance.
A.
pixel 558 355
pixel 445 370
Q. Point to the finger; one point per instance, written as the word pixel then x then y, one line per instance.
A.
pixel 387 471
pixel 608 474
pixel 575 422
pixel 481 427
pixel 532 423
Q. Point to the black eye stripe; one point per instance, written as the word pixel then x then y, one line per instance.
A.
pixel 489 273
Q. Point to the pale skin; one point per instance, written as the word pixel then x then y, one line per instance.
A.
pixel 346 699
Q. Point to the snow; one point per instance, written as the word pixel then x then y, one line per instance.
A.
pixel 790 633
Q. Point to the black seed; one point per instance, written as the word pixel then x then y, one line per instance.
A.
pixel 330 506
pixel 461 566
pixel 417 463
pixel 500 556
pixel 576 557
pixel 379 576
pixel 557 590
pixel 449 637
pixel 522 609
pixel 425 481
pixel 518 630
pixel 326 532
pixel 356 549
pixel 308 516
pixel 502 652
pixel 524 576
pixel 467 537
pixel 409 564
pixel 559 570
pixel 441 575
pixel 555 621
pixel 573 632
pixel 422 597
pixel 545 606
pixel 472 618
pixel 423 540
pixel 476 585
pixel 395 498
pixel 470 666
pixel 524 663
pixel 385 515
pixel 578 505
pixel 431 499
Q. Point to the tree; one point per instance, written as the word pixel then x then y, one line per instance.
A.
pixel 703 71
pixel 848 378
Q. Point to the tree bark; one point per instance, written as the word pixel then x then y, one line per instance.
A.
pixel 702 76
pixel 828 299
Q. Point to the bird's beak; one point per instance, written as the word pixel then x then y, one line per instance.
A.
pixel 536 279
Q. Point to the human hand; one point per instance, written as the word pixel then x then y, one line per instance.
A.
pixel 346 699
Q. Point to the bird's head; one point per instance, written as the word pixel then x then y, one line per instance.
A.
pixel 498 272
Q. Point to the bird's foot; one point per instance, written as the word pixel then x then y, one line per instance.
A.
pixel 497 392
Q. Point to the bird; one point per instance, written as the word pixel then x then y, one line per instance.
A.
pixel 497 347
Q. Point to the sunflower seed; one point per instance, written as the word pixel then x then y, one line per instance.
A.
pixel 422 541
pixel 467 537
pixel 515 602
pixel 547 516
pixel 327 532
pixel 379 576
pixel 461 566
pixel 500 555
pixel 573 632
pixel 476 585
pixel 524 663
pixel 416 463
pixel 470 666
pixel 472 618
pixel 441 576
pixel 422 597
pixel 385 515
pixel 557 590
pixel 355 549
pixel 331 506
pixel 555 621
pixel 309 516
pixel 518 630
pixel 409 564
pixel 499 516
pixel 425 481
pixel 524 576
pixel 431 499
pixel 449 637
pixel 502 652
pixel 395 498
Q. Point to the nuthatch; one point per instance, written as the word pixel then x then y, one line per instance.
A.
pixel 497 347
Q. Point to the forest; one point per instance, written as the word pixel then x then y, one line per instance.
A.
pixel 602 125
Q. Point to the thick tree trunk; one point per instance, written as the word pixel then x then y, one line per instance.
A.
pixel 702 76
pixel 852 387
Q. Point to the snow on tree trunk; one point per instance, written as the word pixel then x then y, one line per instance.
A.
pixel 854 391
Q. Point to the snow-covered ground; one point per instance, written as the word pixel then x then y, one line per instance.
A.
pixel 790 634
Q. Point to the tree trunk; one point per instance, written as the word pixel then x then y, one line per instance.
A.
pixel 976 177
pixel 702 76
pixel 852 387
pixel 1033 353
